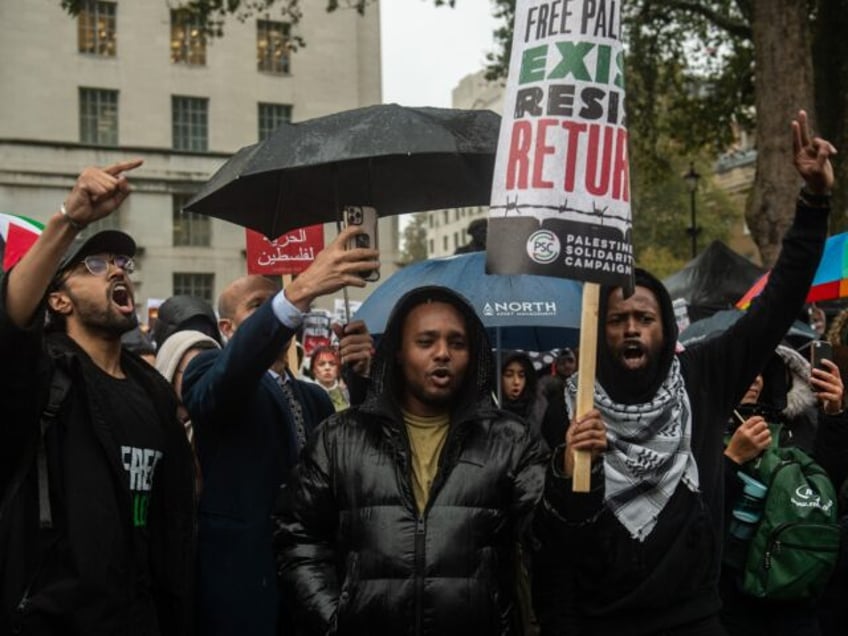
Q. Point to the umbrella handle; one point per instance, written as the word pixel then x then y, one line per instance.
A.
pixel 339 231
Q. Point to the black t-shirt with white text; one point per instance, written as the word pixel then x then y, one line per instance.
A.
pixel 140 440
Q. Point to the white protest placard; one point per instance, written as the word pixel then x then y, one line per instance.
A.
pixel 561 190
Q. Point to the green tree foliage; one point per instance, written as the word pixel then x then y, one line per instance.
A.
pixel 691 78
pixel 414 243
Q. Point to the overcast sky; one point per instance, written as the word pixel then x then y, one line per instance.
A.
pixel 427 49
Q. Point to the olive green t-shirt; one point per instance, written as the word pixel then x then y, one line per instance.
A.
pixel 426 438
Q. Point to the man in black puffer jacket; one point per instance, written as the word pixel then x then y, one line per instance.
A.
pixel 406 511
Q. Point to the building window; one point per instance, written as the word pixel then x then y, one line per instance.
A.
pixel 445 243
pixel 446 214
pixel 98 110
pixel 198 285
pixel 110 222
pixel 272 51
pixel 188 41
pixel 431 245
pixel 271 116
pixel 96 33
pixel 430 219
pixel 190 229
pixel 190 123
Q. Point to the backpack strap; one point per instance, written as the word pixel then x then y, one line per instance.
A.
pixel 60 384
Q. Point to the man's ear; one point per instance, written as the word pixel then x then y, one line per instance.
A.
pixel 60 303
pixel 226 327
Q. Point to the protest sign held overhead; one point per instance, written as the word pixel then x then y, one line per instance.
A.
pixel 561 191
pixel 290 253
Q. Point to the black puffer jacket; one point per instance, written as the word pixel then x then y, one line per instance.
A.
pixel 354 550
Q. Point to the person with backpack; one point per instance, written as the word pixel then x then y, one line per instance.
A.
pixel 639 554
pixel 772 579
pixel 96 474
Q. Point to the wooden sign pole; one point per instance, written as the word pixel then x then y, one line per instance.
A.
pixel 586 378
pixel 292 352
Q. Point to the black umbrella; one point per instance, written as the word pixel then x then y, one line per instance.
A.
pixel 393 158
pixel 720 321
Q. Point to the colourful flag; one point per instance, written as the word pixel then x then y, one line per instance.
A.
pixel 17 234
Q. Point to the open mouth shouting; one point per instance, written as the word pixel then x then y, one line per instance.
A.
pixel 122 298
pixel 634 355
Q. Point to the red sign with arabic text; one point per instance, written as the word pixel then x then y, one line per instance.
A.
pixel 290 253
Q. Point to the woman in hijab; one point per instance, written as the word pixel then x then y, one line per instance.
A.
pixel 520 395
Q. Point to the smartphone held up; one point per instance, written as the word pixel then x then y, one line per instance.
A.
pixel 366 218
pixel 820 350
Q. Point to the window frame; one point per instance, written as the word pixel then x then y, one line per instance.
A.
pixel 93 15
pixel 265 62
pixel 188 48
pixel 94 116
pixel 185 131
pixel 189 229
pixel 269 121
pixel 198 284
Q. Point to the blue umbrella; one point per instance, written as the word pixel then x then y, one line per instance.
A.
pixel 533 313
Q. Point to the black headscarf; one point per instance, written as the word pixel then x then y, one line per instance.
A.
pixel 636 387
pixel 520 406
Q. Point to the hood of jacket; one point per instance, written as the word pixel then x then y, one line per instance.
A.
pixel 386 387
pixel 786 383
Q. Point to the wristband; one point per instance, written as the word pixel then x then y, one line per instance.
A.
pixel 73 223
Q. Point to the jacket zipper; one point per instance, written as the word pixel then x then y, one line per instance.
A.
pixel 420 533
pixel 421 519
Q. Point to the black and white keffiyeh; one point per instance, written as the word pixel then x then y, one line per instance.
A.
pixel 649 451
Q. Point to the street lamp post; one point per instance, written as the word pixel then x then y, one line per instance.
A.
pixel 692 177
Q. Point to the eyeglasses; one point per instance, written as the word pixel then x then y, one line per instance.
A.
pixel 99 265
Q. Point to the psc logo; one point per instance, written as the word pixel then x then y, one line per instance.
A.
pixel 543 247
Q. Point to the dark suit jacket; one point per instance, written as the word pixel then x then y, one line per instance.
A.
pixel 247 446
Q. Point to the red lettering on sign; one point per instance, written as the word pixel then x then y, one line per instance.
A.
pixel 518 163
pixel 598 170
pixel 574 130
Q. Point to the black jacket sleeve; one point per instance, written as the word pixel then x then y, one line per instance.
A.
pixel 831 447
pixel 304 537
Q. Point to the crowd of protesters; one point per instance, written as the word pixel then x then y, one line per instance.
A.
pixel 211 490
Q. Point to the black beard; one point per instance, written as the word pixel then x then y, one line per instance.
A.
pixel 108 323
pixel 632 386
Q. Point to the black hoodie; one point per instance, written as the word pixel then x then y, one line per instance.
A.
pixel 355 553
pixel 622 585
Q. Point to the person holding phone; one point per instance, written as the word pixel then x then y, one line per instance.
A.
pixel 251 419
pixel 802 404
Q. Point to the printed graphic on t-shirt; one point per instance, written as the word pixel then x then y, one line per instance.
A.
pixel 140 464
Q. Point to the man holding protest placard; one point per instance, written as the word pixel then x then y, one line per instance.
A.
pixel 640 553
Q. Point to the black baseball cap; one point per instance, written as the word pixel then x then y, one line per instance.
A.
pixel 104 242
